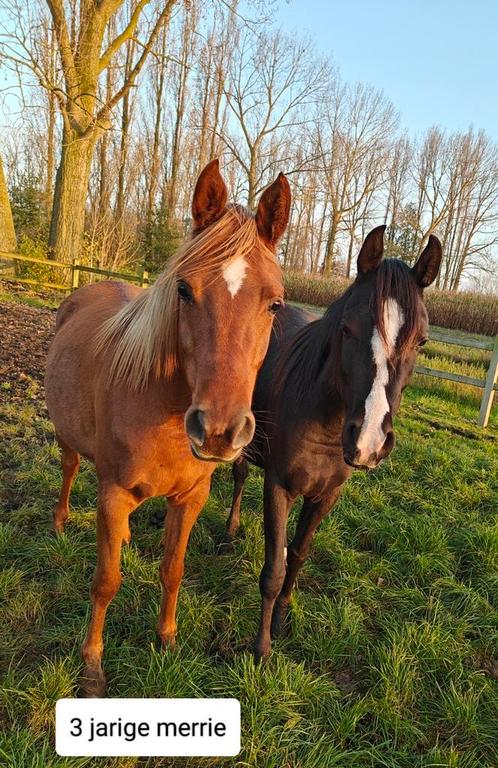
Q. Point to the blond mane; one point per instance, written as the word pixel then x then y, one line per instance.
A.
pixel 143 334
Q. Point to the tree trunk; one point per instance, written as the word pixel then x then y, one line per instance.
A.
pixel 350 253
pixel 181 98
pixel 123 145
pixel 329 251
pixel 49 179
pixel 252 178
pixel 70 194
pixel 104 181
pixel 7 232
pixel 123 156
pixel 51 122
pixel 316 258
pixel 154 163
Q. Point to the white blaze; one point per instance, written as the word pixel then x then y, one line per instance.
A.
pixel 234 274
pixel 372 435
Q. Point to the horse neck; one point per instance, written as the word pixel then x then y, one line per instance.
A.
pixel 325 393
pixel 311 388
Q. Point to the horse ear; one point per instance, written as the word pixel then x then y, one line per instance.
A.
pixel 372 251
pixel 210 196
pixel 426 269
pixel 273 211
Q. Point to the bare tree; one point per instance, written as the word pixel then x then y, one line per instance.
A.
pixel 185 54
pixel 80 31
pixel 353 140
pixel 213 82
pixel 398 180
pixel 457 182
pixel 214 63
pixel 158 77
pixel 275 82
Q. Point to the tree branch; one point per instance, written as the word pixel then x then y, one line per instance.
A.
pixel 56 8
pixel 125 35
pixel 130 80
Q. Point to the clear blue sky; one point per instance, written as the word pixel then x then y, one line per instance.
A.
pixel 436 60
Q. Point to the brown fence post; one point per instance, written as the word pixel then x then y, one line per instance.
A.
pixel 144 278
pixel 75 275
pixel 489 387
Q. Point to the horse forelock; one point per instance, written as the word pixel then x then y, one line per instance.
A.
pixel 395 287
pixel 142 337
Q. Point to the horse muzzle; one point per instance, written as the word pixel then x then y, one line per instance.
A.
pixel 212 439
pixel 367 456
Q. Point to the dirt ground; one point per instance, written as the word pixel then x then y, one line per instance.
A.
pixel 25 335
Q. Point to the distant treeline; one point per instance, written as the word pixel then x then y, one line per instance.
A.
pixel 114 107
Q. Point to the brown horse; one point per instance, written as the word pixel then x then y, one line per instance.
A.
pixel 146 383
pixel 324 401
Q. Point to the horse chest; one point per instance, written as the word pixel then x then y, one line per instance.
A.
pixel 156 460
pixel 312 465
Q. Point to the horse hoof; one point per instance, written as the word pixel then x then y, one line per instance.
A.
pixel 261 655
pixel 93 683
pixel 167 642
pixel 226 546
pixel 59 525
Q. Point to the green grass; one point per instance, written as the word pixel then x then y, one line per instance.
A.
pixel 392 657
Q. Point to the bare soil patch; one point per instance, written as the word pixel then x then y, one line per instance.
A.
pixel 25 335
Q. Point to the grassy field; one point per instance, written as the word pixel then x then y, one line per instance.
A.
pixel 392 659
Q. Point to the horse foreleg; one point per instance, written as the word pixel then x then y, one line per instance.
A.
pixel 114 507
pixel 180 517
pixel 240 471
pixel 277 503
pixel 70 462
pixel 312 513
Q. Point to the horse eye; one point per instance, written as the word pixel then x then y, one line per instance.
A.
pixel 422 342
pixel 185 292
pixel 275 306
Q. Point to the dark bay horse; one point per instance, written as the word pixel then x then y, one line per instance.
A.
pixel 155 386
pixel 324 403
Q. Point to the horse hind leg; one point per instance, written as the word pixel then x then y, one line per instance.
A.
pixel 70 462
pixel 115 505
pixel 312 513
pixel 240 471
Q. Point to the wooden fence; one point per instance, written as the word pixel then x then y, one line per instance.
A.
pixel 73 269
pixel 71 272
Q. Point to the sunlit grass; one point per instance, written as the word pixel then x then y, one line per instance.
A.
pixel 392 655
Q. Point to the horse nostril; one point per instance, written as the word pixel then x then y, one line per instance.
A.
pixel 195 425
pixel 388 444
pixel 243 432
pixel 351 432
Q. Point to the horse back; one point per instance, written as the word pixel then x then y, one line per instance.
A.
pixel 109 293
